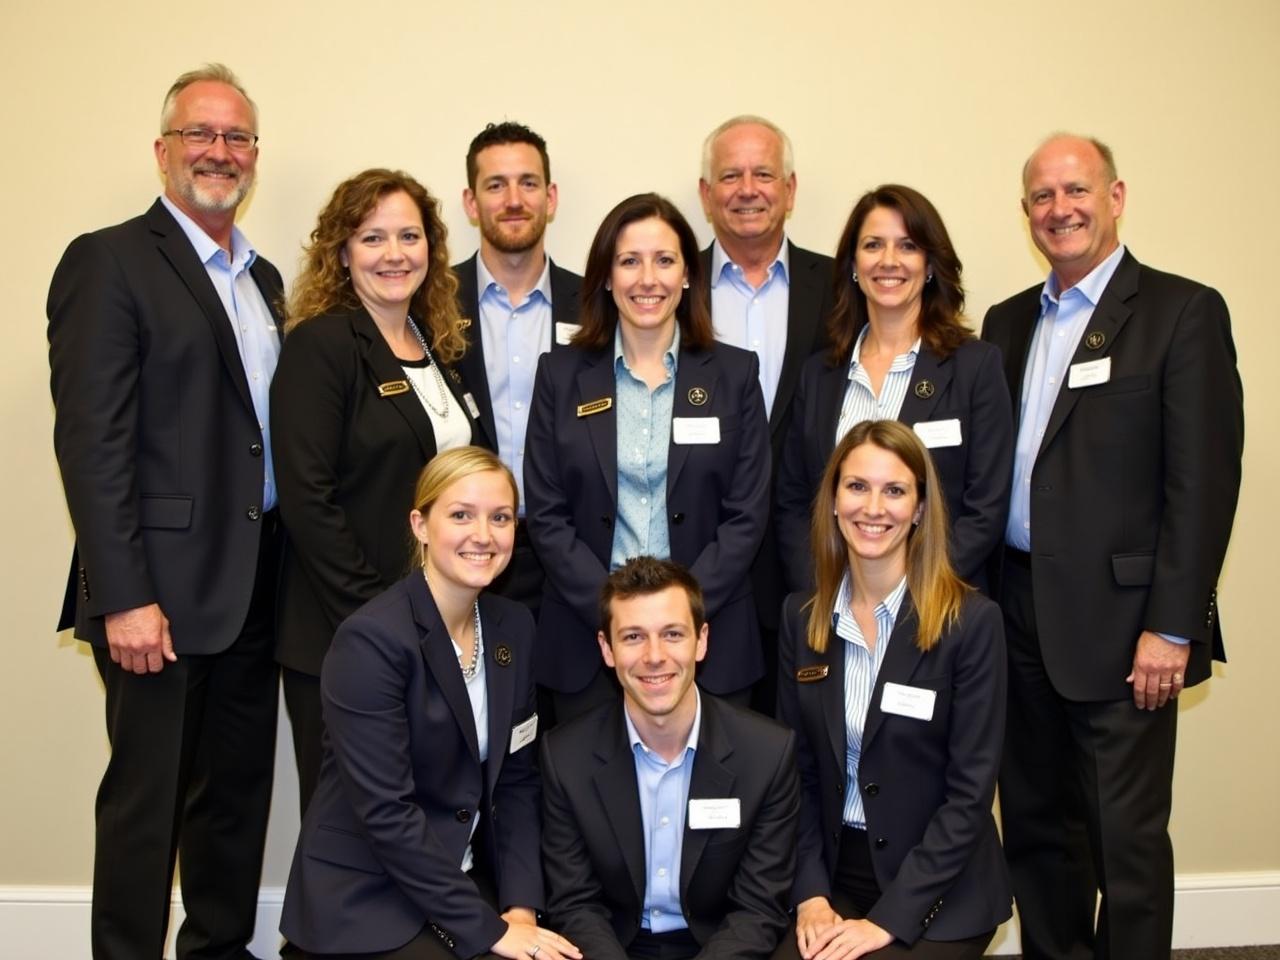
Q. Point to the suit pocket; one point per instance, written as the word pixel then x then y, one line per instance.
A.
pixel 1123 385
pixel 1133 569
pixel 166 513
pixel 344 849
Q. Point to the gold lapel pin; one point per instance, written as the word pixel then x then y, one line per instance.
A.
pixel 595 406
pixel 1095 340
pixel 697 396
pixel 502 655
pixel 924 389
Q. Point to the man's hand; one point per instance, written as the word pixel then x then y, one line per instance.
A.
pixel 1159 668
pixel 139 639
pixel 814 917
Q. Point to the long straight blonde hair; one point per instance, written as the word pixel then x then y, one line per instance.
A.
pixel 935 589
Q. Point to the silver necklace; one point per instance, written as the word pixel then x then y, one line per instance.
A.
pixel 468 669
pixel 443 410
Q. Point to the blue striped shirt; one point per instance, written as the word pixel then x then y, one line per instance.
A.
pixel 860 401
pixel 861 667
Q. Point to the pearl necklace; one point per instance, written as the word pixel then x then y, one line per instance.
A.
pixel 443 410
pixel 468 669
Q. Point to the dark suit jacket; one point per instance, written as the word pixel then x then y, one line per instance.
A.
pixel 346 462
pixel 381 846
pixel 734 883
pixel 809 302
pixel 975 475
pixel 927 785
pixel 566 289
pixel 1135 484
pixel 717 504
pixel 155 433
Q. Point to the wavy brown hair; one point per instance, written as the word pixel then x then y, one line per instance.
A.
pixel 324 284
pixel 942 303
pixel 599 312
pixel 935 589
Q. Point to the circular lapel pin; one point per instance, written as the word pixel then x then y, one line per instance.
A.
pixel 924 389
pixel 502 654
pixel 1095 340
pixel 697 396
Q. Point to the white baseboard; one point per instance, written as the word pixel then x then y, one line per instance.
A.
pixel 1210 910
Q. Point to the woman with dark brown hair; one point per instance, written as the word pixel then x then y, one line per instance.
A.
pixel 363 396
pixel 900 351
pixel 646 437
pixel 892 673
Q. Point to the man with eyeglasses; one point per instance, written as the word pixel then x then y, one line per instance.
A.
pixel 163 337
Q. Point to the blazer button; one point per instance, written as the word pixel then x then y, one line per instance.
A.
pixel 881 843
pixel 253 513
pixel 463 816
pixel 607 520
pixel 872 789
pixel 255 449
pixel 677 518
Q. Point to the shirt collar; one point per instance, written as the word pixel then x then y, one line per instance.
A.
pixel 854 360
pixel 485 280
pixel 242 252
pixel 890 605
pixel 669 359
pixel 720 260
pixel 1091 286
pixel 633 735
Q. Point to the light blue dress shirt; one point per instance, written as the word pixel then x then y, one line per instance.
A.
pixel 513 339
pixel 664 797
pixel 251 323
pixel 860 401
pixel 644 441
pixel 750 318
pixel 861 666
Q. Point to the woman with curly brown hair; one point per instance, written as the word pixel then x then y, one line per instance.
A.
pixel 363 396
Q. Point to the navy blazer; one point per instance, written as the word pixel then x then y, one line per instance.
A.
pixel 381 846
pixel 717 503
pixel 346 460
pixel 1135 483
pixel 734 882
pixel 927 785
pixel 975 476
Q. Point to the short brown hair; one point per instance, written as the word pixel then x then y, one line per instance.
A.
pixel 642 576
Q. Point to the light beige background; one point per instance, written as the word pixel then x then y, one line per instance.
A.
pixel 948 97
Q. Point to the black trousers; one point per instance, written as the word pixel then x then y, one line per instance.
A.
pixel 192 754
pixel 854 891
pixel 1085 794
pixel 306 723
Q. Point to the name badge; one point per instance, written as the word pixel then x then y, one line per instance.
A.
pixel 812 674
pixel 939 433
pixel 522 734
pixel 914 702
pixel 715 814
pixel 566 332
pixel 595 406
pixel 1089 374
pixel 393 387
pixel 695 429
pixel 472 409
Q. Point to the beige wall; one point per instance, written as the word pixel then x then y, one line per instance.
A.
pixel 948 97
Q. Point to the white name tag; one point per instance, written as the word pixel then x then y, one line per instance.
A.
pixel 470 401
pixel 1089 374
pixel 939 433
pixel 695 429
pixel 718 814
pixel 905 701
pixel 523 734
pixel 565 332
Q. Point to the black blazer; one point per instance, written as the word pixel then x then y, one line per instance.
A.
pixel 155 434
pixel 717 503
pixel 1135 484
pixel 975 475
pixel 380 852
pixel 566 288
pixel 346 461
pixel 734 883
pixel 927 785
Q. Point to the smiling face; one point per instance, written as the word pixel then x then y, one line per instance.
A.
pixel 655 649
pixel 876 504
pixel 1072 206
pixel 511 199
pixel 468 532
pixel 648 275
pixel 212 179
pixel 748 196
pixel 387 256
pixel 891 266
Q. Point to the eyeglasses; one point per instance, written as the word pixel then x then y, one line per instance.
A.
pixel 236 140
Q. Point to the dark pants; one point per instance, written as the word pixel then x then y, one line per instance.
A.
pixel 306 721
pixel 192 753
pixel 1085 794
pixel 855 891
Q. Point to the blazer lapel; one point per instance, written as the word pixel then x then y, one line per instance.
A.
pixel 384 368
pixel 619 793
pixel 474 373
pixel 499 681
pixel 1026 316
pixel 710 779
pixel 596 382
pixel 804 300
pixel 929 382
pixel 437 651
pixel 272 294
pixel 694 369
pixel 176 248
pixel 566 302
pixel 832 384
pixel 899 664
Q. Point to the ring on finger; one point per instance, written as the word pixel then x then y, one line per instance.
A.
pixel 534 952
